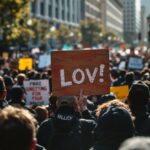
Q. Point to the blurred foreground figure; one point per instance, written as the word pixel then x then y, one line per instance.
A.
pixel 17 129
pixel 136 143
pixel 114 125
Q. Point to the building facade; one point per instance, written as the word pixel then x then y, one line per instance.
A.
pixel 144 26
pixel 112 15
pixel 61 11
pixel 132 20
pixel 90 9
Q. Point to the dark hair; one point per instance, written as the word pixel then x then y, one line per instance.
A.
pixel 138 94
pixel 16 93
pixel 130 78
pixel 114 122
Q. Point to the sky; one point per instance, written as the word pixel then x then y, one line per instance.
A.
pixel 147 4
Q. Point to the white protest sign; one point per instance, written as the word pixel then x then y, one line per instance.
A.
pixel 135 63
pixel 37 92
pixel 44 61
pixel 122 65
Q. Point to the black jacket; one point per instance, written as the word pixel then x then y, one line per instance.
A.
pixel 86 128
pixel 3 103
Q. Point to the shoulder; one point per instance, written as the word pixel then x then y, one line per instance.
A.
pixel 39 147
pixel 87 124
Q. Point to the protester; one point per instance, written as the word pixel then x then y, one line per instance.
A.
pixel 41 113
pixel 17 130
pixel 9 82
pixel 114 125
pixel 138 100
pixel 17 98
pixel 65 131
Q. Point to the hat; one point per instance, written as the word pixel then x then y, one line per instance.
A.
pixel 66 100
pixel 114 125
pixel 139 94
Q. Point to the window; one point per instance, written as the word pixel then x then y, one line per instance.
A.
pixel 63 15
pixel 42 8
pixel 50 10
pixel 57 13
pixel 33 7
pixel 68 16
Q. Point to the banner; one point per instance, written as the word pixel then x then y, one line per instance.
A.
pixel 25 63
pixel 120 91
pixel 86 70
pixel 37 92
pixel 135 63
pixel 44 61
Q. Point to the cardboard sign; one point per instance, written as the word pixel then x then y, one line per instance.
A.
pixel 44 61
pixel 37 92
pixel 5 55
pixel 122 65
pixel 86 70
pixel 25 63
pixel 135 63
pixel 120 91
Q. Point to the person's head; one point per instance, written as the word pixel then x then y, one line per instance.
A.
pixel 136 143
pixel 130 78
pixel 138 95
pixel 65 116
pixel 20 78
pixel 66 101
pixel 31 74
pixel 114 123
pixel 17 129
pixel 114 73
pixel 9 82
pixel 37 75
pixel 2 88
pixel 122 73
pixel 42 113
pixel 16 94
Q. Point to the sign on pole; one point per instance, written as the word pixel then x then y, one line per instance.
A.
pixel 44 61
pixel 37 92
pixel 121 92
pixel 86 70
pixel 135 63
pixel 25 63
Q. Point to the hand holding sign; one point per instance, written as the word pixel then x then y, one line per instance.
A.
pixel 82 101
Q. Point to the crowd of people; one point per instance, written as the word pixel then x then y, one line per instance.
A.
pixel 93 122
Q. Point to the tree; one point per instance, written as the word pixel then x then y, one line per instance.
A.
pixel 13 21
pixel 91 30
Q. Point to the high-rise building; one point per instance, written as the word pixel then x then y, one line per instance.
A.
pixel 132 20
pixel 90 9
pixel 112 15
pixel 144 26
pixel 62 11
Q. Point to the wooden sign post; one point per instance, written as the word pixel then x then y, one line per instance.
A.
pixel 86 70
